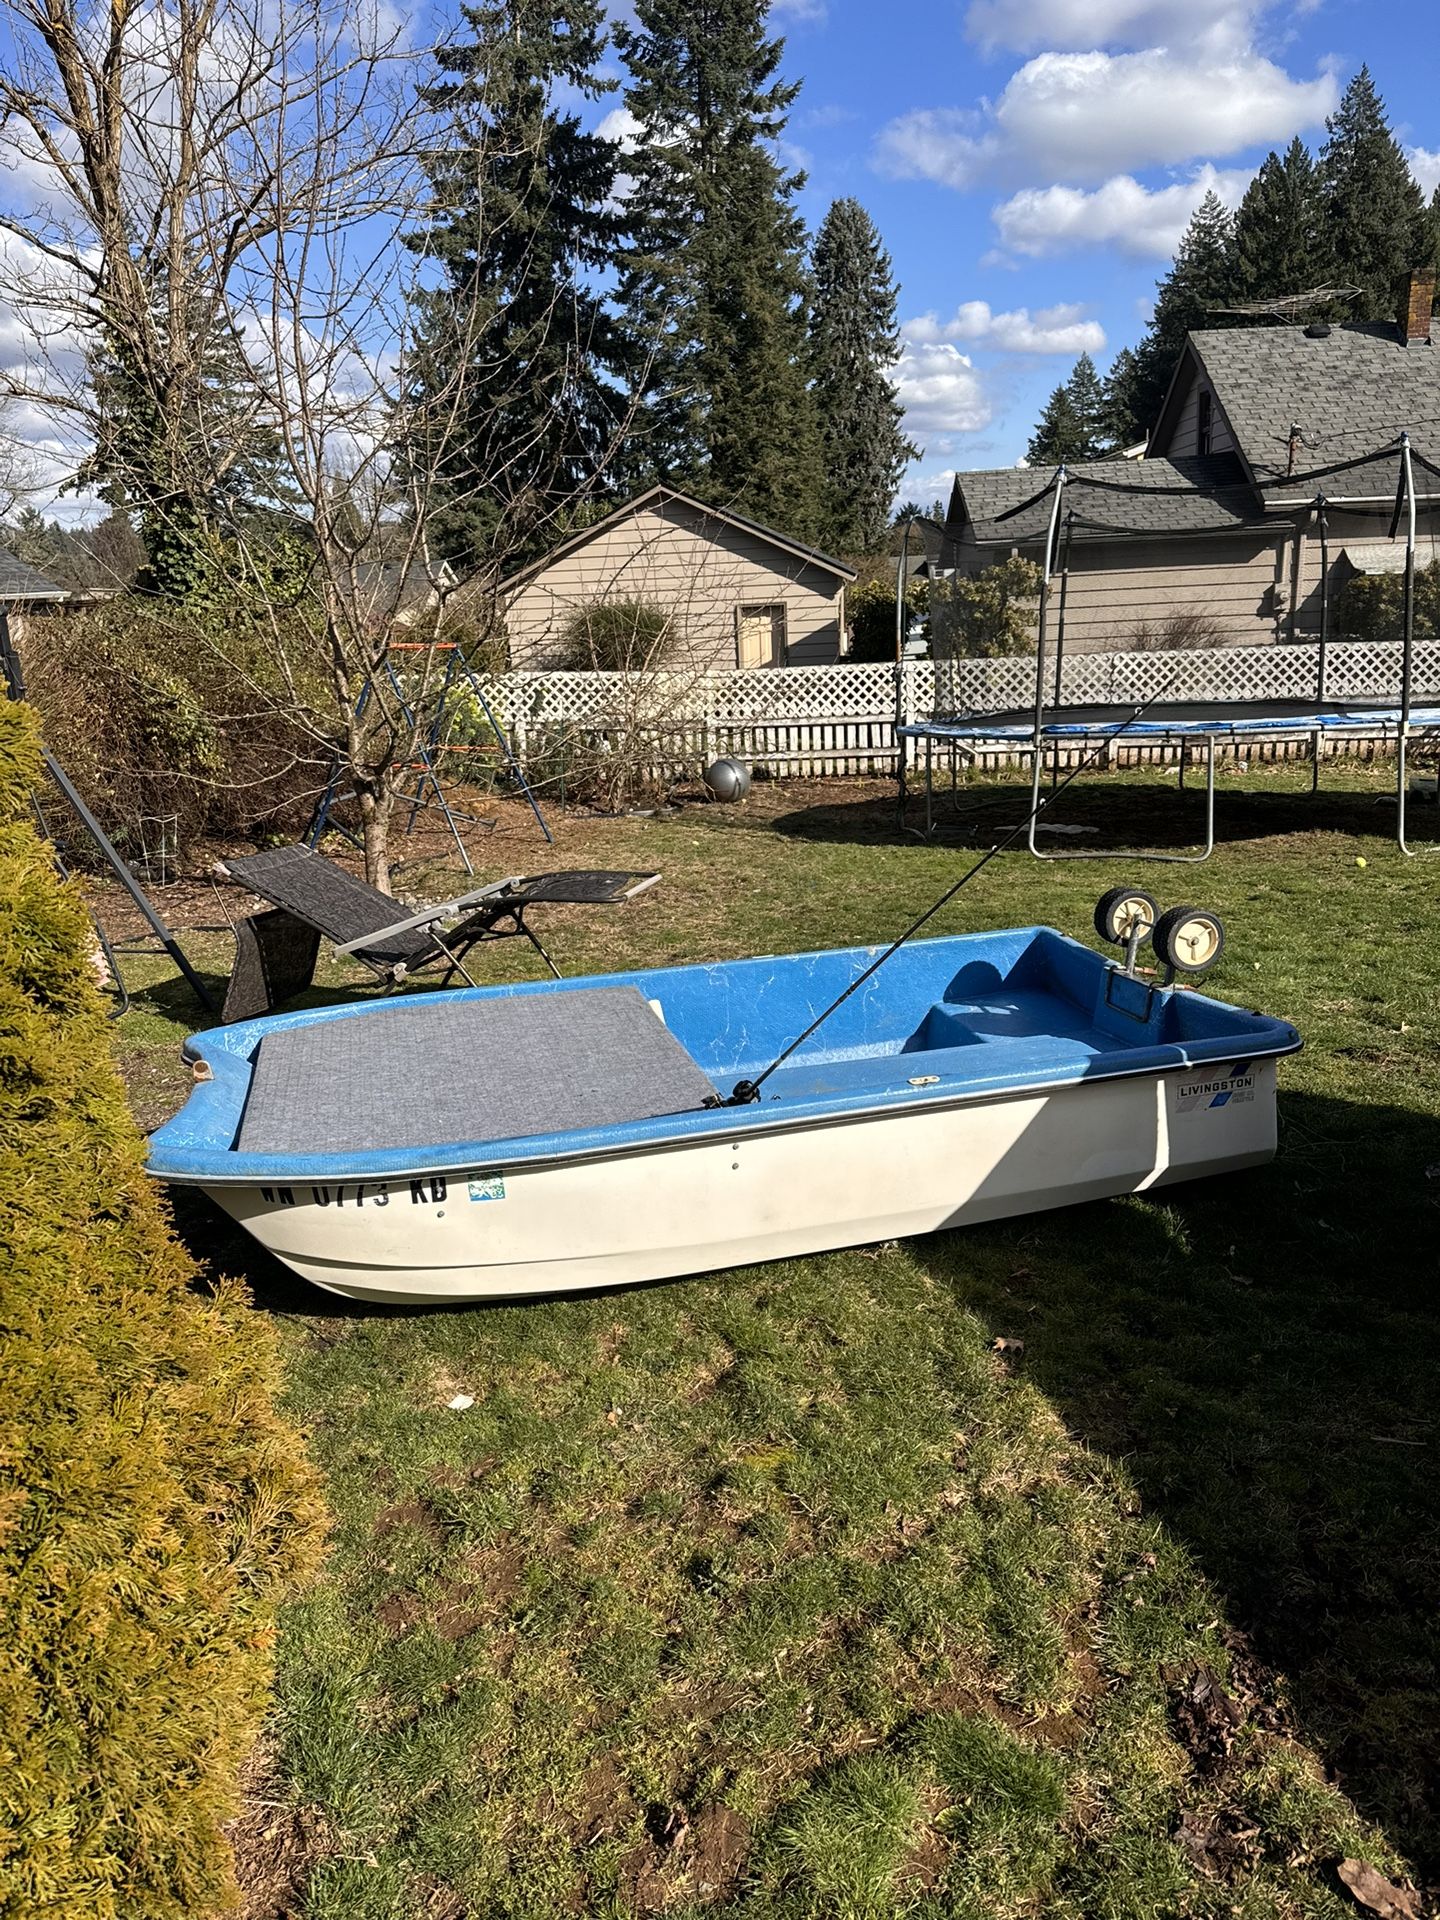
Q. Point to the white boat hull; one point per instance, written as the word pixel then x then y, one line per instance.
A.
pixel 487 1233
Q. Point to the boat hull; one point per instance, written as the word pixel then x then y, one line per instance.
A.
pixel 695 1206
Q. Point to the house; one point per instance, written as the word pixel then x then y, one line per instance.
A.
pixel 22 589
pixel 741 595
pixel 393 594
pixel 1218 528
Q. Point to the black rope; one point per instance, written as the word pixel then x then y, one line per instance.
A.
pixel 747 1092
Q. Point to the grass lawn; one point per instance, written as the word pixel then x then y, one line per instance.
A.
pixel 783 1593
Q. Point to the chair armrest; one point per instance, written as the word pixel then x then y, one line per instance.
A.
pixel 427 917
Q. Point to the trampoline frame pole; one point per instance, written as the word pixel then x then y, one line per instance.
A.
pixel 1407 654
pixel 1038 739
pixel 1322 672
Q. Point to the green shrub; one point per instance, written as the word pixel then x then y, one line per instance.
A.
pixel 870 612
pixel 154 709
pixel 990 614
pixel 1371 606
pixel 154 1507
pixel 616 636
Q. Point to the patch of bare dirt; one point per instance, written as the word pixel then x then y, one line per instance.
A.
pixel 602 1804
pixel 1222 1844
pixel 698 1858
pixel 495 1572
pixel 276 1845
pixel 415 1516
pixel 441 1902
pixel 401 1613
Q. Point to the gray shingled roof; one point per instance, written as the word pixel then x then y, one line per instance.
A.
pixel 1011 505
pixel 21 582
pixel 1349 393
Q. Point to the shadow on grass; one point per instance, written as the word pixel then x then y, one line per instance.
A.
pixel 1115 815
pixel 1263 1352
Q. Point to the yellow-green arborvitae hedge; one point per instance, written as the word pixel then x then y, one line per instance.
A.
pixel 154 1506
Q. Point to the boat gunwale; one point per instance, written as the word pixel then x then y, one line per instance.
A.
pixel 203 1163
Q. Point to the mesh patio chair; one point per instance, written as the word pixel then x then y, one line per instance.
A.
pixel 312 898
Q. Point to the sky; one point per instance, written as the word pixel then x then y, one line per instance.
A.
pixel 1031 164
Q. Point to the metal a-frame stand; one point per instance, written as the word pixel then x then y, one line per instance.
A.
pixel 426 748
pixel 15 690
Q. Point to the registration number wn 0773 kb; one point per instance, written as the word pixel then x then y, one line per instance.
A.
pixel 426 1190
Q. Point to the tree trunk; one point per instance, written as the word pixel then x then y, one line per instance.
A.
pixel 375 813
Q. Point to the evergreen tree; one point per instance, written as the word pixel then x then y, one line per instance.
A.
pixel 713 287
pixel 854 341
pixel 1073 425
pixel 1280 244
pixel 510 372
pixel 1374 213
pixel 191 457
pixel 1201 279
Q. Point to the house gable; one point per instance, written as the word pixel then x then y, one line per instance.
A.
pixel 721 578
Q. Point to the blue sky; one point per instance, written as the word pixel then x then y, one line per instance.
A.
pixel 1030 164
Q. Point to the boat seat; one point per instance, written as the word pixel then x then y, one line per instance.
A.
pixel 437 1073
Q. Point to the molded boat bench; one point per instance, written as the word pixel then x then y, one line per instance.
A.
pixel 493 1069
pixel 311 897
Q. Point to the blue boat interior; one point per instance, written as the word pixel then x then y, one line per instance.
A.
pixel 969 1016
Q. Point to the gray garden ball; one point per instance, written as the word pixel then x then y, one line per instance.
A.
pixel 728 779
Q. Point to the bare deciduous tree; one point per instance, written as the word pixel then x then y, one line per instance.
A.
pixel 215 268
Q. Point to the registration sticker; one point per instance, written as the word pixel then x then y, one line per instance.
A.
pixel 487 1186
pixel 1234 1088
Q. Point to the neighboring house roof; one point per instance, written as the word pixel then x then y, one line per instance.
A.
pixel 391 590
pixel 1011 506
pixel 1350 392
pixel 19 582
pixel 658 496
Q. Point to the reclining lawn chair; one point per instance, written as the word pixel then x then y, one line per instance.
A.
pixel 276 951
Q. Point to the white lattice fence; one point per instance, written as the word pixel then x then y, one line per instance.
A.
pixel 841 720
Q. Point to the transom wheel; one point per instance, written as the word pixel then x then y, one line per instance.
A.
pixel 1189 939
pixel 1118 912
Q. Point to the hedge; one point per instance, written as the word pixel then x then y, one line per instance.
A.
pixel 154 1506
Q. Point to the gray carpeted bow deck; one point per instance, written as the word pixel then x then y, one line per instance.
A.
pixel 430 1076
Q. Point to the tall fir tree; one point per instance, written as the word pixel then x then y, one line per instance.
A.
pixel 1073 425
pixel 1374 213
pixel 1280 244
pixel 854 342
pixel 1201 280
pixel 713 286
pixel 513 370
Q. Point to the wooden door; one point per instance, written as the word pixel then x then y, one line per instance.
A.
pixel 761 633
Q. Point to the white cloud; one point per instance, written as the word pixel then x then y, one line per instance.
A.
pixel 1143 222
pixel 1084 116
pixel 802 12
pixel 1425 165
pixel 1062 329
pixel 1024 26
pixel 940 391
pixel 621 126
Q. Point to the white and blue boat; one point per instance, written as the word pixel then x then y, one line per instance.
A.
pixel 520 1140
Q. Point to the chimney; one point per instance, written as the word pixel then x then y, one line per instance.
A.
pixel 1417 298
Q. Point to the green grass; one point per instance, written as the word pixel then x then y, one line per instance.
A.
pixel 780 1594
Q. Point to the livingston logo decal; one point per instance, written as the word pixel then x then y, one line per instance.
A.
pixel 1232 1089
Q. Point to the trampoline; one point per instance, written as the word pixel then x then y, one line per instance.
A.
pixel 1046 730
pixel 1178 723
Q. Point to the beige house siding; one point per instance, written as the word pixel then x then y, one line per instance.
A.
pixel 1344 528
pixel 699 567
pixel 1185 439
pixel 1113 589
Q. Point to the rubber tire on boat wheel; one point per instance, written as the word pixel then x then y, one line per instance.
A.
pixel 1115 912
pixel 1189 939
